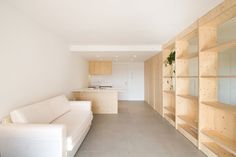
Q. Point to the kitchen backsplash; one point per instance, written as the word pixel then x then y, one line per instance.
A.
pixel 100 80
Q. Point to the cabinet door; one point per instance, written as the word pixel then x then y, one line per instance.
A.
pixel 91 67
pixel 106 67
pixel 100 67
pixel 97 68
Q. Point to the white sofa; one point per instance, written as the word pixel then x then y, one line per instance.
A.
pixel 52 128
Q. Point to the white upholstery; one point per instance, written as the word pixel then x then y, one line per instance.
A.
pixel 76 122
pixel 81 105
pixel 59 106
pixel 42 112
pixel 63 127
pixel 32 140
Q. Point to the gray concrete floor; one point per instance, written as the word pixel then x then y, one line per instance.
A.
pixel 137 131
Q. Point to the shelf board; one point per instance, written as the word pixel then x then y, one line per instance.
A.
pixel 190 97
pixel 169 92
pixel 220 76
pixel 221 140
pixel 170 109
pixel 221 106
pixel 190 121
pixel 188 132
pixel 189 56
pixel 187 76
pixel 220 47
pixel 171 118
pixel 169 76
pixel 217 150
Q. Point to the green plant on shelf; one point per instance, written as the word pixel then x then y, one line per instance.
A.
pixel 170 61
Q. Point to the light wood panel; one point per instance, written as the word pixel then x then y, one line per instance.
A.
pixel 153 82
pixel 221 140
pixel 189 133
pixel 158 84
pixel 222 106
pixel 190 97
pixel 188 56
pixel 189 120
pixel 170 109
pixel 103 101
pixel 170 118
pixel 220 47
pixel 217 150
pixel 146 81
pixel 100 67
pixel 220 14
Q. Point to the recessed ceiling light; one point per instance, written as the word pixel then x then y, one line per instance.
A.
pixel 117 56
pixel 97 56
pixel 134 56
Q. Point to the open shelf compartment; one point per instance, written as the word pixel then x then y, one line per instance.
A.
pixel 217 150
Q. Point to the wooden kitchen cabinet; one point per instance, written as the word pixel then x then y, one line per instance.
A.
pixel 100 67
pixel 103 101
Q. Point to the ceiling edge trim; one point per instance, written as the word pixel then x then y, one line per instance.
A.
pixel 114 48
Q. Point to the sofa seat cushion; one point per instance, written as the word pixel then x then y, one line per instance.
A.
pixel 76 122
pixel 42 112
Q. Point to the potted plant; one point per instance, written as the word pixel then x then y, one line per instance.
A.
pixel 170 61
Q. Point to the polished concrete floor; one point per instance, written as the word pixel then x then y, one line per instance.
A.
pixel 137 131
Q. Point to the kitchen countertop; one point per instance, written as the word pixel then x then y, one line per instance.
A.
pixel 96 90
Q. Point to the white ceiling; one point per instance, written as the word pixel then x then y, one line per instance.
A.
pixel 115 22
pixel 119 57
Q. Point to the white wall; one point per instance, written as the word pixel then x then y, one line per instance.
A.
pixel 127 77
pixel 34 63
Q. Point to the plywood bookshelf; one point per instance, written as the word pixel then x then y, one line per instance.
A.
pixel 217 120
pixel 194 106
pixel 168 86
pixel 186 78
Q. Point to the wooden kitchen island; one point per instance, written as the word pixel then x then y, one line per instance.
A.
pixel 104 101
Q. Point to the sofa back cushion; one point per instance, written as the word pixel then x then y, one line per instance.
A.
pixel 59 105
pixel 42 112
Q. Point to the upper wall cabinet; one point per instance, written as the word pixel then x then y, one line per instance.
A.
pixel 100 67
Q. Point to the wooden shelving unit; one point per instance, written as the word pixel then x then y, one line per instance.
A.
pixel 194 106
pixel 217 120
pixel 187 77
pixel 168 86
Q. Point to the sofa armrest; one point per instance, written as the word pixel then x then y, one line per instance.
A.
pixel 81 105
pixel 32 140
